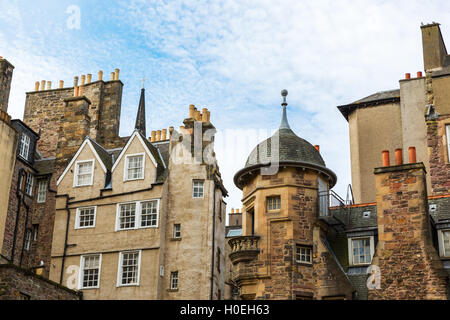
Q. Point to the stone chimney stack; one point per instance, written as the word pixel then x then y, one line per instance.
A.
pixel 434 52
pixel 409 265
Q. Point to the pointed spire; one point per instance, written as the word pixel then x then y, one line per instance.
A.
pixel 140 118
pixel 284 122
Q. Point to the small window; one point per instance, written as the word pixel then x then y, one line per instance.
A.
pixel 84 173
pixel 42 191
pixel 127 216
pixel 273 203
pixel 197 189
pixel 366 214
pixel 35 232
pixel 303 254
pixel 24 148
pixel 149 213
pixel 177 231
pixel 29 184
pixel 174 280
pixel 129 268
pixel 446 242
pixel 134 167
pixel 361 251
pixel 90 271
pixel 86 217
pixel 27 239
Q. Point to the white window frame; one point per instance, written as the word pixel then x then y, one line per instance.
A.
pixel 175 231
pixel 273 198
pixel 77 217
pixel 447 131
pixel 75 177
pixel 442 251
pixel 30 191
pixel 42 193
pixel 138 215
pixel 119 270
pixel 125 173
pixel 171 278
pixel 25 140
pixel 28 236
pixel 203 188
pixel 350 250
pixel 80 275
pixel 300 246
pixel 35 232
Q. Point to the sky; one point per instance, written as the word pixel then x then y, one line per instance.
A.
pixel 232 57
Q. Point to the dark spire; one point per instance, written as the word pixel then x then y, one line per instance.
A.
pixel 140 118
pixel 284 122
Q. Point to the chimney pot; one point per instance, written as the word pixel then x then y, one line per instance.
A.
pixel 49 85
pixel 36 86
pixel 89 78
pixel 153 137
pixel 317 147
pixel 158 135
pixel 164 134
pixel 385 156
pixel 208 117
pixel 232 210
pixel 419 74
pixel 407 75
pixel 100 75
pixel 61 84
pixel 398 157
pixel 42 85
pixel 204 115
pixel 412 154
pixel 80 91
pixel 191 111
pixel 75 81
pixel 83 80
pixel 75 91
pixel 116 74
pixel 113 75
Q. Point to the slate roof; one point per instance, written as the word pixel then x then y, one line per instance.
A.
pixel 442 212
pixel 44 166
pixel 379 98
pixel 103 154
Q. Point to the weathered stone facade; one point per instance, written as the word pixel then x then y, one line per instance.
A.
pixel 6 73
pixel 410 267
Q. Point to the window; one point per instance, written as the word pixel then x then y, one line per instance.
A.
pixel 303 254
pixel 35 232
pixel 149 213
pixel 177 231
pixel 127 217
pixel 85 217
pixel 90 271
pixel 197 189
pixel 323 197
pixel 134 167
pixel 174 280
pixel 361 250
pixel 84 173
pixel 27 239
pixel 42 191
pixel 446 243
pixel 273 203
pixel 129 268
pixel 29 184
pixel 24 147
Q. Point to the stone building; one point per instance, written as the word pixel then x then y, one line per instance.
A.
pixel 301 240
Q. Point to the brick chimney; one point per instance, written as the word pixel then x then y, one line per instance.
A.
pixel 6 73
pixel 434 52
pixel 410 267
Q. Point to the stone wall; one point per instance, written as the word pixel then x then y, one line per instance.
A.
pixel 410 267
pixel 6 73
pixel 21 284
pixel 438 155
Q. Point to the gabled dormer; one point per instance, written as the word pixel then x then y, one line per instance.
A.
pixel 27 141
pixel 88 171
pixel 138 166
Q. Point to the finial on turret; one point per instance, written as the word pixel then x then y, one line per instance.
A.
pixel 284 121
pixel 284 93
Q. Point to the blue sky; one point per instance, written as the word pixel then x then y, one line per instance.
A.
pixel 233 57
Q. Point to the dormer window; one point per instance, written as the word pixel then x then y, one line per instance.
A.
pixel 444 242
pixel 134 167
pixel 24 148
pixel 361 250
pixel 84 173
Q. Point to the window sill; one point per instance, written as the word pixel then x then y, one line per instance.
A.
pixel 128 285
pixel 128 180
pixel 175 239
pixel 81 228
pixel 90 288
pixel 172 290
pixel 360 265
pixel 306 264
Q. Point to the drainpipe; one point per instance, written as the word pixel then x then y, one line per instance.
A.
pixel 65 240
pixel 19 202
pixel 25 230
pixel 211 294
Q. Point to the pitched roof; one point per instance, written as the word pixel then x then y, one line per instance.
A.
pixel 379 98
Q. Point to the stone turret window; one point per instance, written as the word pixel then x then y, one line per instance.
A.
pixel 84 173
pixel 174 280
pixel 273 203
pixel 303 254
pixel 197 189
pixel 134 167
pixel 90 271
pixel 24 147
